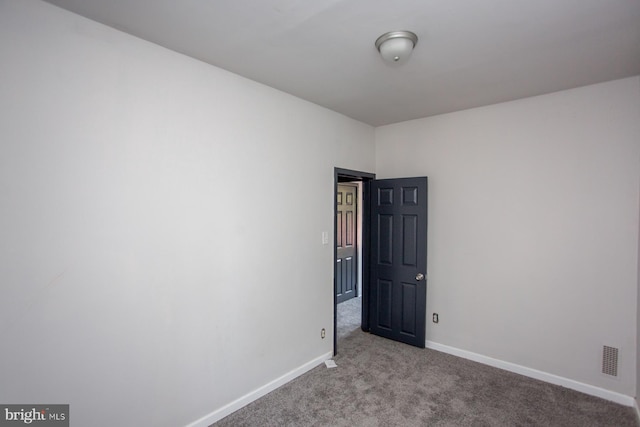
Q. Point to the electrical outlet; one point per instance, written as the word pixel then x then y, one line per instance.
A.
pixel 435 318
pixel 322 333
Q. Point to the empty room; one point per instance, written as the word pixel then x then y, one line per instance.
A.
pixel 172 182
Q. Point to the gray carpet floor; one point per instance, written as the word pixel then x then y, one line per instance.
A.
pixel 379 382
pixel 349 317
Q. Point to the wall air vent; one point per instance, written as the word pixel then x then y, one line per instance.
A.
pixel 610 360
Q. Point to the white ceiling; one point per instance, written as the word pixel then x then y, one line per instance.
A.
pixel 470 52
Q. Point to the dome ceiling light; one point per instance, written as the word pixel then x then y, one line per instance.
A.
pixel 396 46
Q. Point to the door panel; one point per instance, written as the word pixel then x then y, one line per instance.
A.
pixel 409 296
pixel 409 240
pixel 346 260
pixel 384 309
pixel 399 242
pixel 385 234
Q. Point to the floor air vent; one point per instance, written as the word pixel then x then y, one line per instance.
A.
pixel 610 360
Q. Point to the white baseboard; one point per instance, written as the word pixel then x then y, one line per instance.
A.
pixel 534 373
pixel 222 412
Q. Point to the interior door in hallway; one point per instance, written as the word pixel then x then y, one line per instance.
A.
pixel 346 242
pixel 398 288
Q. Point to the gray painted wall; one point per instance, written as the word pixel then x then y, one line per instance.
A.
pixel 533 219
pixel 160 224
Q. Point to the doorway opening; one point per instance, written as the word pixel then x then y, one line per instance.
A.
pixel 393 254
pixel 351 257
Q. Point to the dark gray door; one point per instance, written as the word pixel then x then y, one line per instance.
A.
pixel 347 253
pixel 398 288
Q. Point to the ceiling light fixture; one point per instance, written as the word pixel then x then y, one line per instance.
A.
pixel 396 46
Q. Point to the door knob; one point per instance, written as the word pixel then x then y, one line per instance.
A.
pixel 419 276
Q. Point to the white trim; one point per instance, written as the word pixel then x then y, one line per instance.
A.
pixel 613 396
pixel 229 408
